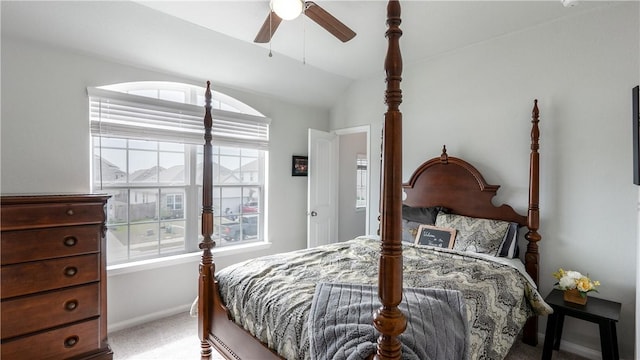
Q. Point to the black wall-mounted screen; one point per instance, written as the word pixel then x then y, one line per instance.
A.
pixel 636 134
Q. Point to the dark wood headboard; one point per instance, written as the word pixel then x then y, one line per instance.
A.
pixel 457 185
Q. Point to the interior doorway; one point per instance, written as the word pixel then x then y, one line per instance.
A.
pixel 338 185
pixel 353 182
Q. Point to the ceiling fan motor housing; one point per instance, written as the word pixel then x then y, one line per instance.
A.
pixel 287 9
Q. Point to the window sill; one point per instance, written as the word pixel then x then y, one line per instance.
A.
pixel 150 264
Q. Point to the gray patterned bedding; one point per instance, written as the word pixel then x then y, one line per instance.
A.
pixel 271 296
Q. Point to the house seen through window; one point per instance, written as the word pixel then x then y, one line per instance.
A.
pixel 147 151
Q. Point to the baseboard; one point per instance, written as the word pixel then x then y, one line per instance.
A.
pixel 576 349
pixel 147 318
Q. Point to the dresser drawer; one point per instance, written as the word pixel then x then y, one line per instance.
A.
pixel 32 277
pixel 29 245
pixel 61 343
pixel 28 314
pixel 30 216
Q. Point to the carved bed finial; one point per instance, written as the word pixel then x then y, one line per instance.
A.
pixel 393 59
pixel 535 131
pixel 444 158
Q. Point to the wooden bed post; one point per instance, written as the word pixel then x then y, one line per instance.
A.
pixel 532 257
pixel 207 267
pixel 389 320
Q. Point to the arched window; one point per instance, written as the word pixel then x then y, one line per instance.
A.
pixel 147 142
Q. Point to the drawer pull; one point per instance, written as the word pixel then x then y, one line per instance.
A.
pixel 70 212
pixel 71 305
pixel 71 341
pixel 70 271
pixel 70 241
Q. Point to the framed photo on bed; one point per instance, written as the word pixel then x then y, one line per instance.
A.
pixel 436 236
pixel 299 165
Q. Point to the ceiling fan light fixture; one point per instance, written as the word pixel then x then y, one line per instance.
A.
pixel 287 9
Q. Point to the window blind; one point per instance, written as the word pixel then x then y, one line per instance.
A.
pixel 117 114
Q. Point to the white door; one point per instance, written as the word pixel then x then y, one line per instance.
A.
pixel 322 192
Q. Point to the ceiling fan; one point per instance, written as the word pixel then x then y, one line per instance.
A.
pixel 292 9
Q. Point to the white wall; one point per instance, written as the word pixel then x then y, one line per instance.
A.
pixel 45 148
pixel 477 100
pixel 363 105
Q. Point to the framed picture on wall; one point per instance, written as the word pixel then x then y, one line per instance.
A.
pixel 299 165
pixel 635 126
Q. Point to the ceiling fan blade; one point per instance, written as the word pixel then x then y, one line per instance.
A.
pixel 328 21
pixel 268 28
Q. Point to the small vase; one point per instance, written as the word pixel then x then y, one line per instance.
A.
pixel 573 296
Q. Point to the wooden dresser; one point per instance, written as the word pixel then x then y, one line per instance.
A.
pixel 53 271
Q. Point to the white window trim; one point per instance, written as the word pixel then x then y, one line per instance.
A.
pixel 168 261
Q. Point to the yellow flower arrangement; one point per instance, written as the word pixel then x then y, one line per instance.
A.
pixel 568 279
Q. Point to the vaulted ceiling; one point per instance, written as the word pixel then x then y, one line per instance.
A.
pixel 213 40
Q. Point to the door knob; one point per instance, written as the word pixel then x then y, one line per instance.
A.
pixel 313 213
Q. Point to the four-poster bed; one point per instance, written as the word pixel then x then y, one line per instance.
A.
pixel 229 322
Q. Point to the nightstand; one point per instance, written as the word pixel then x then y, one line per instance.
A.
pixel 605 313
